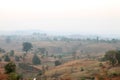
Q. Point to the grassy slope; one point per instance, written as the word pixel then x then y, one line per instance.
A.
pixel 72 70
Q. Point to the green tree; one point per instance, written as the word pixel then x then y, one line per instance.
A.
pixel 2 50
pixel 36 60
pixel 113 56
pixel 17 58
pixel 6 58
pixel 40 73
pixel 11 53
pixel 10 67
pixel 27 46
pixel 57 62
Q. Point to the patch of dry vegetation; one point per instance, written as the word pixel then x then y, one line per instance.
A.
pixel 91 69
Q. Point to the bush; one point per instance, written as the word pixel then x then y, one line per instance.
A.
pixel 14 76
pixel 2 50
pixel 6 58
pixel 10 67
pixel 17 58
pixel 57 62
pixel 100 64
pixel 27 46
pixel 40 72
pixel 36 60
pixel 82 69
pixel 113 56
pixel 11 53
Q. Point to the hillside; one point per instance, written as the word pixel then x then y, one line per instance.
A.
pixel 83 69
pixel 79 59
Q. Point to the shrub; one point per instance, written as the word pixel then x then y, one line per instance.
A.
pixel 36 60
pixel 100 64
pixel 81 69
pixel 27 46
pixel 57 62
pixel 11 53
pixel 6 58
pixel 10 67
pixel 17 58
pixel 113 56
pixel 2 50
pixel 40 72
pixel 14 76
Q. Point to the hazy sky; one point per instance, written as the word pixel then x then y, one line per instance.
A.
pixel 72 16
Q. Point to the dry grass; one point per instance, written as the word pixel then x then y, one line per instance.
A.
pixel 73 68
pixel 91 68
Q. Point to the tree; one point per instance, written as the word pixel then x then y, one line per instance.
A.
pixel 11 53
pixel 27 46
pixel 57 62
pixel 17 58
pixel 113 56
pixel 36 60
pixel 40 72
pixel 2 50
pixel 6 58
pixel 10 67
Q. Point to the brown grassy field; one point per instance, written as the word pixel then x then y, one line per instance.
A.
pixel 91 68
pixel 84 65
